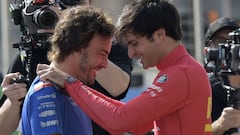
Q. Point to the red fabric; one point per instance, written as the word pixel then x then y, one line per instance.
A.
pixel 177 103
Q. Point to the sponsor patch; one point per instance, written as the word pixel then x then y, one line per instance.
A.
pixel 46 105
pixel 154 90
pixel 163 78
pixel 53 95
pixel 48 123
pixel 155 87
pixel 47 113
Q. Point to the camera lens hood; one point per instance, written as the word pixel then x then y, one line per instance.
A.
pixel 45 18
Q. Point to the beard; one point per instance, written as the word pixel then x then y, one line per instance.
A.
pixel 85 69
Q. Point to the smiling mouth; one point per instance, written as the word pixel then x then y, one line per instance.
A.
pixel 141 60
pixel 96 71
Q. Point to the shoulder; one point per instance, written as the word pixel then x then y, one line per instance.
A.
pixel 43 93
pixel 171 75
pixel 42 85
pixel 39 87
pixel 176 71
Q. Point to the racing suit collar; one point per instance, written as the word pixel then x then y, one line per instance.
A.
pixel 172 57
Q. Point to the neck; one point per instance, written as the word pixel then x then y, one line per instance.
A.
pixel 67 66
pixel 171 45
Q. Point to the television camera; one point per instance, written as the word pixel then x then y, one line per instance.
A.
pixel 224 62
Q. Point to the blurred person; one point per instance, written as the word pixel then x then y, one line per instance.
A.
pixel 81 43
pixel 179 100
pixel 223 116
pixel 9 111
pixel 1 77
pixel 112 81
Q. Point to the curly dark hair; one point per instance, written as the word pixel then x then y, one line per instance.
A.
pixel 75 30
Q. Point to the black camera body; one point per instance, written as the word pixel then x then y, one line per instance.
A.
pixel 35 17
pixel 226 56
pixel 226 59
pixel 233 97
pixel 37 20
pixel 19 79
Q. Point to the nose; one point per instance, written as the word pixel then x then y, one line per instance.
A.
pixel 104 63
pixel 131 53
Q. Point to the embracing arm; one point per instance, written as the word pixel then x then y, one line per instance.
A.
pixel 121 117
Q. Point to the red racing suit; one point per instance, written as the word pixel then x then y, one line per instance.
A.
pixel 177 103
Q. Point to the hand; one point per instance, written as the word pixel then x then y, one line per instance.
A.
pixel 230 118
pixel 15 91
pixel 235 134
pixel 52 74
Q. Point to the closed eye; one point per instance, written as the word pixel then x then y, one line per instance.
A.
pixel 103 53
pixel 132 43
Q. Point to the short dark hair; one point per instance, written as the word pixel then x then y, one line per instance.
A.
pixel 144 17
pixel 75 30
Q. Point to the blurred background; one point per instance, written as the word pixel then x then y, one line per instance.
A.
pixel 195 15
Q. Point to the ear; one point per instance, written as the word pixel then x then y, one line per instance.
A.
pixel 77 53
pixel 159 34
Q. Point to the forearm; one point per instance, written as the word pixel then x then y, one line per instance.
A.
pixel 113 79
pixel 120 118
pixel 217 128
pixel 9 117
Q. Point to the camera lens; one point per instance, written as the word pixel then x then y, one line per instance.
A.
pixel 212 54
pixel 45 18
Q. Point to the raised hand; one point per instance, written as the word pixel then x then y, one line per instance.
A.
pixel 52 74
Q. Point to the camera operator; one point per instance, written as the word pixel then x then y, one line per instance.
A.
pixel 224 117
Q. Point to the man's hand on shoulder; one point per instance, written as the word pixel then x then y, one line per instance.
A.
pixel 52 74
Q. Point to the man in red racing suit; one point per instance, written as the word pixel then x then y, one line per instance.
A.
pixel 178 102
